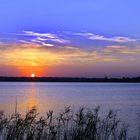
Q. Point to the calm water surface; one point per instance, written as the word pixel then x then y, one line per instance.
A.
pixel 123 97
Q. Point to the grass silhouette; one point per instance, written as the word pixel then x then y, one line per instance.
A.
pixel 84 124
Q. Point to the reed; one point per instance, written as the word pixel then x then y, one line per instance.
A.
pixel 84 124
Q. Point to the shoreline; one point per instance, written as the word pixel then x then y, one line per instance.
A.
pixel 71 79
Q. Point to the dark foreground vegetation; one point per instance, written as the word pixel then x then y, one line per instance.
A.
pixel 69 79
pixel 85 124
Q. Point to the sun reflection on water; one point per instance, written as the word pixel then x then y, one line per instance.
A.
pixel 32 99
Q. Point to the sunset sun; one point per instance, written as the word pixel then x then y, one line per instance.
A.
pixel 32 75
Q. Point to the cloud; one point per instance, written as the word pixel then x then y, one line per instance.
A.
pixel 46 44
pixel 121 50
pixel 43 37
pixel 118 39
pixel 47 35
pixel 24 41
pixel 41 42
pixel 34 54
pixel 69 39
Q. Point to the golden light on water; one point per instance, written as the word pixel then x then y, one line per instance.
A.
pixel 32 99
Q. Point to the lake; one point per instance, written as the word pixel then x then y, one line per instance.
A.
pixel 123 97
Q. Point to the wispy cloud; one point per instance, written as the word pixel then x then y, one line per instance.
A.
pixel 24 41
pixel 38 55
pixel 70 39
pixel 121 50
pixel 40 43
pixel 47 44
pixel 48 35
pixel 118 39
pixel 42 37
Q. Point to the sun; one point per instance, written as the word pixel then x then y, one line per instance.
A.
pixel 32 75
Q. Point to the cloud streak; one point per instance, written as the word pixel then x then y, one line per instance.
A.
pixel 42 37
pixel 47 35
pixel 38 55
pixel 118 39
pixel 69 39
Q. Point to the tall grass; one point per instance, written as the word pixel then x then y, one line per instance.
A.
pixel 84 124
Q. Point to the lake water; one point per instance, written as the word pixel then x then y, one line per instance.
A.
pixel 123 97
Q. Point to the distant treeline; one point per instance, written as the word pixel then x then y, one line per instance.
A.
pixel 69 79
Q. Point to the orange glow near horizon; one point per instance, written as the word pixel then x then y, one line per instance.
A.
pixel 29 58
pixel 27 71
pixel 24 59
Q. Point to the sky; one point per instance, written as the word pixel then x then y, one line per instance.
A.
pixel 76 38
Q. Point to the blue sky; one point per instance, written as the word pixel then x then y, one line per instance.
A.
pixel 110 17
pixel 105 29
